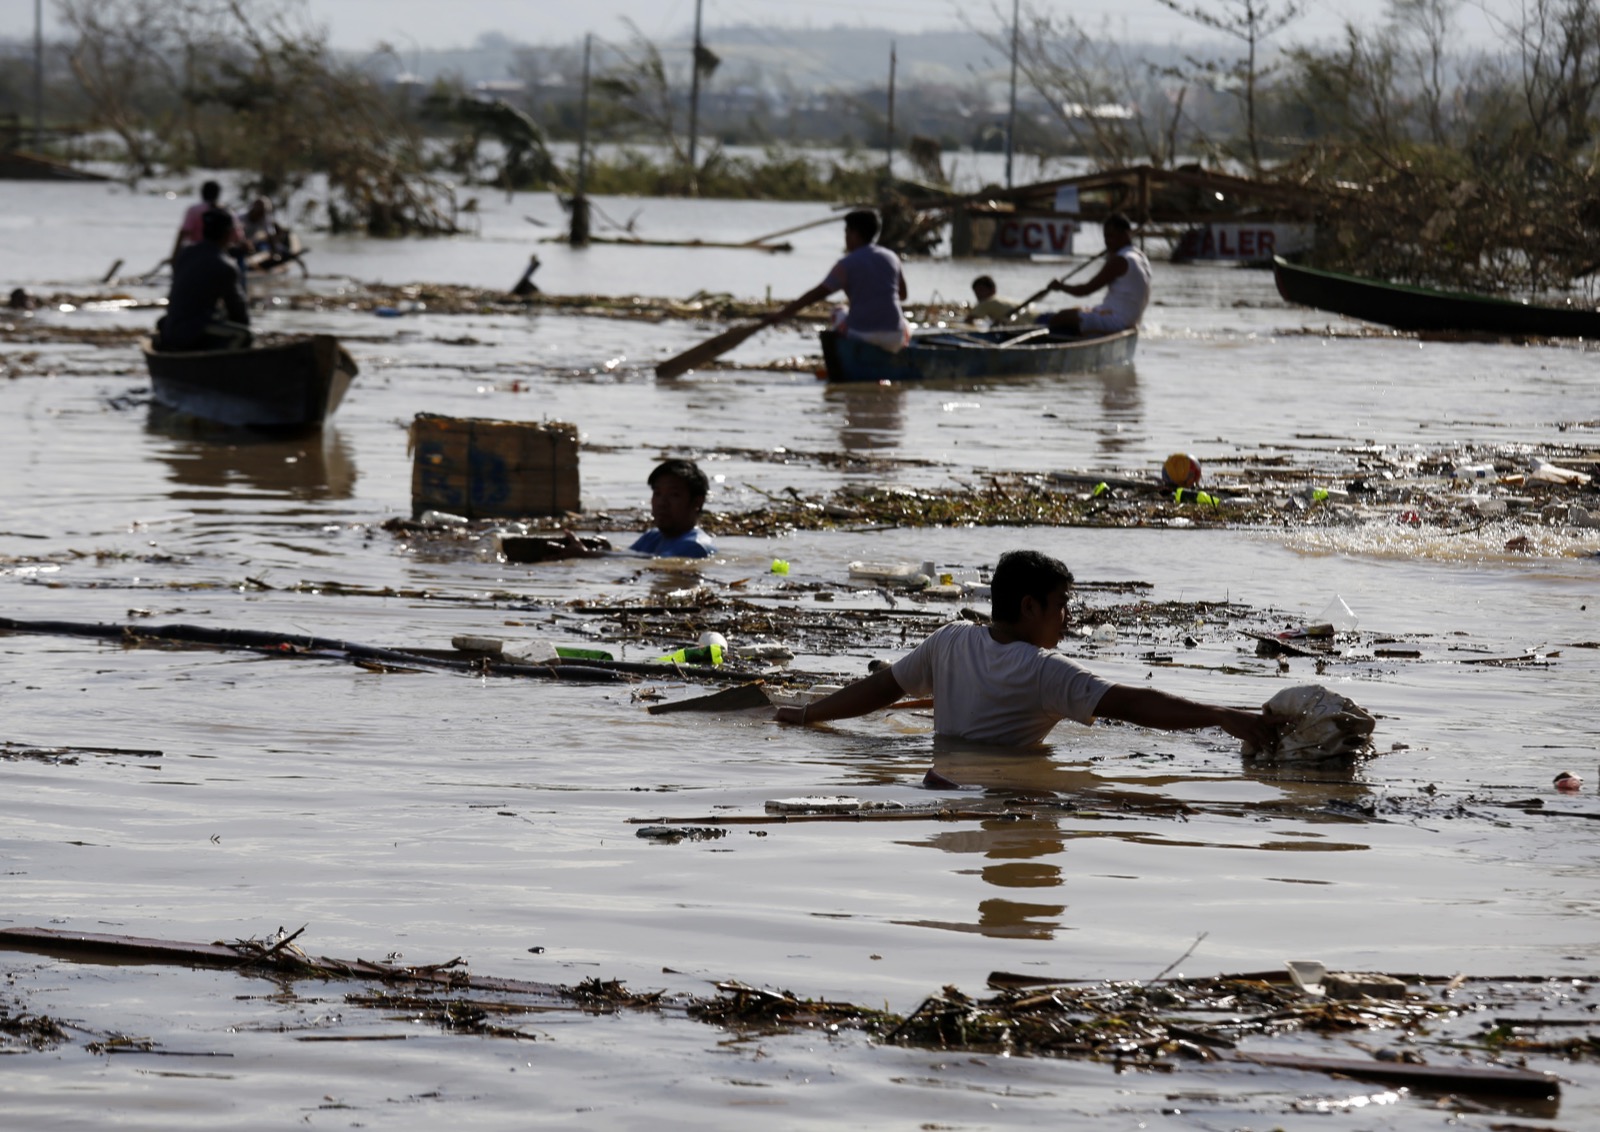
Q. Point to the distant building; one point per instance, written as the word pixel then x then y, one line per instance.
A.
pixel 499 88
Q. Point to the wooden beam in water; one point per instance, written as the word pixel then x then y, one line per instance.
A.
pixel 93 947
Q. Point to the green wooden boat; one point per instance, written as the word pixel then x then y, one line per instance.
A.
pixel 1422 308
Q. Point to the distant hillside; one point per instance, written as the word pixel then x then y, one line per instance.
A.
pixel 789 60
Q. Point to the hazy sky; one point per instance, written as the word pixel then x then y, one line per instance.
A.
pixel 457 23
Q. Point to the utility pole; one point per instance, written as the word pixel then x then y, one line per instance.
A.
pixel 694 97
pixel 1011 118
pixel 38 76
pixel 888 147
pixel 578 234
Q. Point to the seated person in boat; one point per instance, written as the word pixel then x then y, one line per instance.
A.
pixel 1005 684
pixel 205 279
pixel 872 282
pixel 677 496
pixel 1125 275
pixel 268 242
pixel 990 307
pixel 189 232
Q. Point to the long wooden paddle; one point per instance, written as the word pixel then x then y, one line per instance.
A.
pixel 711 348
pixel 1034 298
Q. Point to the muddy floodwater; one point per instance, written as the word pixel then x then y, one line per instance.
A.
pixel 419 816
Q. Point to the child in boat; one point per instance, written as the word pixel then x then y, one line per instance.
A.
pixel 990 307
pixel 1005 684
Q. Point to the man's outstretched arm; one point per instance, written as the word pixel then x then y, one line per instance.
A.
pixel 789 310
pixel 1114 268
pixel 871 694
pixel 1150 708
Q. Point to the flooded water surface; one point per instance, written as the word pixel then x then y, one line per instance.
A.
pixel 423 815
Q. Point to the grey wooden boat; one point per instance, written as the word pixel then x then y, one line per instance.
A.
pixel 295 384
pixel 950 355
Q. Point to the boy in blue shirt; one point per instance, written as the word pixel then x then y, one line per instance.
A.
pixel 677 496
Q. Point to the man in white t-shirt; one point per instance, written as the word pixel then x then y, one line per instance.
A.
pixel 1125 275
pixel 1005 684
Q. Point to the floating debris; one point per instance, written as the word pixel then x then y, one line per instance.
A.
pixel 672 834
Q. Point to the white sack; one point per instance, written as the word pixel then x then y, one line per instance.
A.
pixel 1321 724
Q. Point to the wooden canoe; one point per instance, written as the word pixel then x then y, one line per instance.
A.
pixel 1421 308
pixel 296 384
pixel 964 355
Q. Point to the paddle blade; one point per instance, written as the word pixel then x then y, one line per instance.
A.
pixel 707 350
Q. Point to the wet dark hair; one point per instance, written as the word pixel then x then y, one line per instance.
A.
pixel 217 224
pixel 1020 574
pixel 687 471
pixel 983 281
pixel 863 222
pixel 1118 222
pixel 210 191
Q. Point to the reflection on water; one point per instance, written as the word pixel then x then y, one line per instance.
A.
pixel 1000 769
pixel 1025 849
pixel 1122 406
pixel 1019 854
pixel 312 466
pixel 874 415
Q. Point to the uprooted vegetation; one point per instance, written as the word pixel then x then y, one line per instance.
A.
pixel 1440 1033
pixel 1457 490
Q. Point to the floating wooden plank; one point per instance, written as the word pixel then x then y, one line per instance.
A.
pixel 300 646
pixel 1434 1078
pixel 13 746
pixel 635 242
pixel 94 947
pixel 728 699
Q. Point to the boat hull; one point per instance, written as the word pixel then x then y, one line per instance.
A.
pixel 962 356
pixel 298 384
pixel 1423 309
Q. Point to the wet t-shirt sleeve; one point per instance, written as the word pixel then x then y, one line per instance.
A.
pixel 914 671
pixel 837 278
pixel 1068 689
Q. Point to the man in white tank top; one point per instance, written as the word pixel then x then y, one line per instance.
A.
pixel 1126 277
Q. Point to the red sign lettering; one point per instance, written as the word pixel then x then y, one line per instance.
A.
pixel 1024 236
